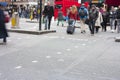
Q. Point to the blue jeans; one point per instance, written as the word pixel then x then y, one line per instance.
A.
pixel 118 25
pixel 92 26
pixel 112 23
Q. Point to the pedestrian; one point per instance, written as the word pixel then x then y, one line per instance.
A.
pixel 48 12
pixel 93 15
pixel 118 19
pixel 3 31
pixel 105 16
pixel 73 14
pixel 83 14
pixel 98 21
pixel 60 17
pixel 112 16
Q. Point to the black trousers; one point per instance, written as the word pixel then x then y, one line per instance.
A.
pixel 48 22
pixel 92 26
pixel 4 39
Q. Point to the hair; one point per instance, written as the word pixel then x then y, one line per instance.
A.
pixel 73 9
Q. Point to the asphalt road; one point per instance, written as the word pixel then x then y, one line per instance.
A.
pixel 58 56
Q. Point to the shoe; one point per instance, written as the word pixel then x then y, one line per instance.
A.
pixel 62 25
pixel 92 34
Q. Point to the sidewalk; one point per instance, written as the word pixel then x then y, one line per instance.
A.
pixel 29 27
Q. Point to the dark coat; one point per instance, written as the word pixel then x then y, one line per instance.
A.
pixel 48 11
pixel 3 31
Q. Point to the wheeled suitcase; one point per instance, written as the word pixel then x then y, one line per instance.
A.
pixel 70 27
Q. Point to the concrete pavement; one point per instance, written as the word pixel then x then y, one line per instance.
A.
pixel 58 56
pixel 29 27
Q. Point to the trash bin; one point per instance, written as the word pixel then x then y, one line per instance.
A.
pixel 15 20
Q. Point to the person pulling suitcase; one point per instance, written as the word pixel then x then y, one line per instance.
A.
pixel 72 19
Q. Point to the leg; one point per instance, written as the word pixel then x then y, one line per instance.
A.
pixel 46 22
pixel 90 28
pixel 49 22
pixel 93 26
pixel 4 40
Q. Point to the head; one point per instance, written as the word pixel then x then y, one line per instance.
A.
pixel 82 5
pixel 93 7
pixel 112 8
pixel 48 3
pixel 73 9
pixel 1 6
pixel 119 6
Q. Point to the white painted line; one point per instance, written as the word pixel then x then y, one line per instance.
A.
pixel 9 40
pixel 62 37
pixel 48 57
pixel 61 60
pixel 34 61
pixel 84 44
pixel 68 49
pixel 18 67
pixel 59 52
pixel 19 38
pixel 45 36
pixel 76 46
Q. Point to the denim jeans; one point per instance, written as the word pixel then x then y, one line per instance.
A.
pixel 92 26
pixel 112 23
pixel 118 25
pixel 47 22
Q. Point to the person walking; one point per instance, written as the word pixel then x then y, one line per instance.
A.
pixel 48 12
pixel 93 15
pixel 60 17
pixel 73 14
pixel 105 16
pixel 112 16
pixel 98 21
pixel 83 13
pixel 3 31
pixel 118 19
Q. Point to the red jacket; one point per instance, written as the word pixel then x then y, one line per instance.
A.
pixel 72 16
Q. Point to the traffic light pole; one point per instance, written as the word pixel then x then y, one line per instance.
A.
pixel 40 15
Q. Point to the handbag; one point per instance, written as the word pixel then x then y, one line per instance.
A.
pixel 7 19
pixel 87 21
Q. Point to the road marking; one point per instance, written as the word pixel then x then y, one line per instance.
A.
pixel 48 57
pixel 19 38
pixel 59 52
pixel 62 37
pixel 68 49
pixel 18 67
pixel 84 44
pixel 53 37
pixel 76 46
pixel 61 60
pixel 9 40
pixel 34 61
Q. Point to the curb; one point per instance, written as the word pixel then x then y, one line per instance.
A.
pixel 117 39
pixel 32 21
pixel 31 32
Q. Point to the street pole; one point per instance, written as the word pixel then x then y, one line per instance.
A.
pixel 40 15
pixel 12 6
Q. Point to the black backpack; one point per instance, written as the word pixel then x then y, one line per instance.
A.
pixel 118 14
pixel 82 13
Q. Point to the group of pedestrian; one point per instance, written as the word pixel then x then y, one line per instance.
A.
pixel 94 17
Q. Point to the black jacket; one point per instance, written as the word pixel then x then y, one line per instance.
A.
pixel 48 11
pixel 3 31
pixel 118 14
